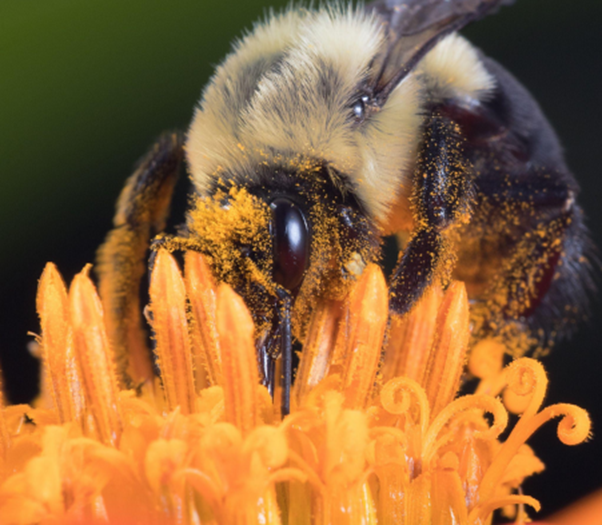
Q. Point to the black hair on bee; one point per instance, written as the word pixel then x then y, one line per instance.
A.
pixel 326 129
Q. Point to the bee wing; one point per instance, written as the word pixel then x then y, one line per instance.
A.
pixel 413 28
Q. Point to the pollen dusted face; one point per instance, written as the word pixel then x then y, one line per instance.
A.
pixel 231 228
pixel 295 232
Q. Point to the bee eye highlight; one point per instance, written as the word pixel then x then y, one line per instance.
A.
pixel 291 243
pixel 359 108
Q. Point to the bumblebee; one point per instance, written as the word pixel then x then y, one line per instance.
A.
pixel 326 130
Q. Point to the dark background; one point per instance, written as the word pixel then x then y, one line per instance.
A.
pixel 85 87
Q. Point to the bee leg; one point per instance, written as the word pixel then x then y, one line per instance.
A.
pixel 415 271
pixel 546 277
pixel 267 354
pixel 141 213
pixel 278 345
pixel 442 194
pixel 563 300
pixel 526 276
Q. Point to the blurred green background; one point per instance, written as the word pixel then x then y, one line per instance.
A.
pixel 85 87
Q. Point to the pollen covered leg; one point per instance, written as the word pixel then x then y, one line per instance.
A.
pixel 527 258
pixel 538 282
pixel 141 213
pixel 441 198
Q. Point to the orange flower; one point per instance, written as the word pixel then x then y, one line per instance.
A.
pixel 373 437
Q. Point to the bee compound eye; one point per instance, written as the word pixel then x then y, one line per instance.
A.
pixel 291 239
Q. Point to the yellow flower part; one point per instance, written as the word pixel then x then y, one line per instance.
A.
pixel 376 435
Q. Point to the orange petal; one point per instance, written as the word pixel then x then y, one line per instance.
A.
pixel 521 466
pixel 239 362
pixel 369 312
pixel 4 434
pixel 202 291
pixel 45 397
pixel 392 471
pixel 269 443
pixel 411 337
pixel 95 357
pixel 343 458
pixel 585 512
pixel 44 483
pixel 471 471
pixel 482 512
pixel 168 306
pixel 267 509
pixel 164 457
pixel 320 340
pixel 57 345
pixel 448 355
pixel 448 500
pixel 418 501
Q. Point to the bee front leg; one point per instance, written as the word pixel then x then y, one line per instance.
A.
pixel 141 213
pixel 278 345
pixel 442 194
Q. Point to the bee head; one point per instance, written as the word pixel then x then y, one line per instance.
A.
pixel 289 229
